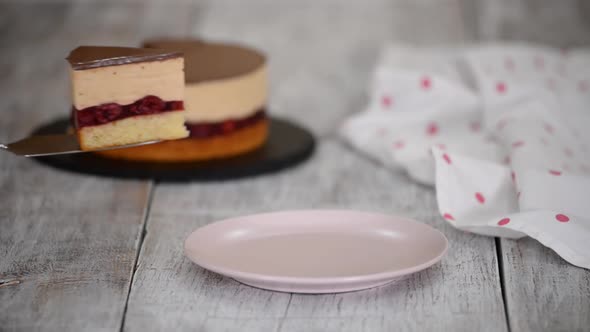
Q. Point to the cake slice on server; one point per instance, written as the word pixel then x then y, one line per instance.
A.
pixel 126 95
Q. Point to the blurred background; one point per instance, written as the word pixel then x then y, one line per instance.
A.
pixel 321 52
pixel 70 252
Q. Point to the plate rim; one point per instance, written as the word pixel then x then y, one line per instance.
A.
pixel 309 281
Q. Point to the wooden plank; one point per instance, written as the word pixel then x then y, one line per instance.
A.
pixel 68 242
pixel 544 292
pixel 171 293
pixel 321 57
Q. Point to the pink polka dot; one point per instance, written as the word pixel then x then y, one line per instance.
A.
pixel 513 176
pixel 432 129
pixel 399 145
pixel 503 221
pixel 548 128
pixel 517 144
pixel 562 217
pixel 441 146
pixel 554 172
pixel 518 195
pixel 501 87
pixel 426 83
pixel 583 86
pixel 507 160
pixel 447 158
pixel 568 152
pixel 480 198
pixel 386 101
pixel 448 216
pixel 475 126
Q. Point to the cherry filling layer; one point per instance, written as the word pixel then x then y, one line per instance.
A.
pixel 105 113
pixel 204 130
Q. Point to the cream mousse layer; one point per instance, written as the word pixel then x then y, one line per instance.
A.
pixel 126 83
pixel 223 81
pixel 229 98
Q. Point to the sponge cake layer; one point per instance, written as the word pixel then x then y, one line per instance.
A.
pixel 163 126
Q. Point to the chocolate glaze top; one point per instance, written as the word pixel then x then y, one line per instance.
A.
pixel 205 61
pixel 88 57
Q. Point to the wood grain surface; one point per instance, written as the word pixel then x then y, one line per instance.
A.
pixel 543 292
pixel 170 292
pixel 85 253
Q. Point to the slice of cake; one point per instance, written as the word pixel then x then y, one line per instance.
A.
pixel 126 95
pixel 225 98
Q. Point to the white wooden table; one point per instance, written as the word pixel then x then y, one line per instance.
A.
pixel 86 253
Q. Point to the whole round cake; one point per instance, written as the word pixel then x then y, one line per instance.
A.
pixel 225 95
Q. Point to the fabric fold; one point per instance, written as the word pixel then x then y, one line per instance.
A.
pixel 500 130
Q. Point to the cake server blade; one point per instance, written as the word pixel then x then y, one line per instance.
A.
pixel 38 146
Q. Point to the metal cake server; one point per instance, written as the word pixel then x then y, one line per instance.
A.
pixel 37 146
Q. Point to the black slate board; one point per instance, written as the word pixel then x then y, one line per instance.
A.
pixel 287 145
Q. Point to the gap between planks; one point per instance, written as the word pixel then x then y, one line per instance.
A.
pixel 282 321
pixel 142 234
pixel 500 258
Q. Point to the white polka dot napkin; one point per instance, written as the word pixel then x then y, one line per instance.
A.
pixel 503 131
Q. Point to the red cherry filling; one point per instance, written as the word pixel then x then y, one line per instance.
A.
pixel 228 126
pixel 107 112
pixel 148 105
pixel 204 130
pixel 101 114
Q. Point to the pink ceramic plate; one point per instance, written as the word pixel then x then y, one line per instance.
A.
pixel 316 251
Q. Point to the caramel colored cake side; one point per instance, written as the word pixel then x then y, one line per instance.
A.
pixel 225 95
